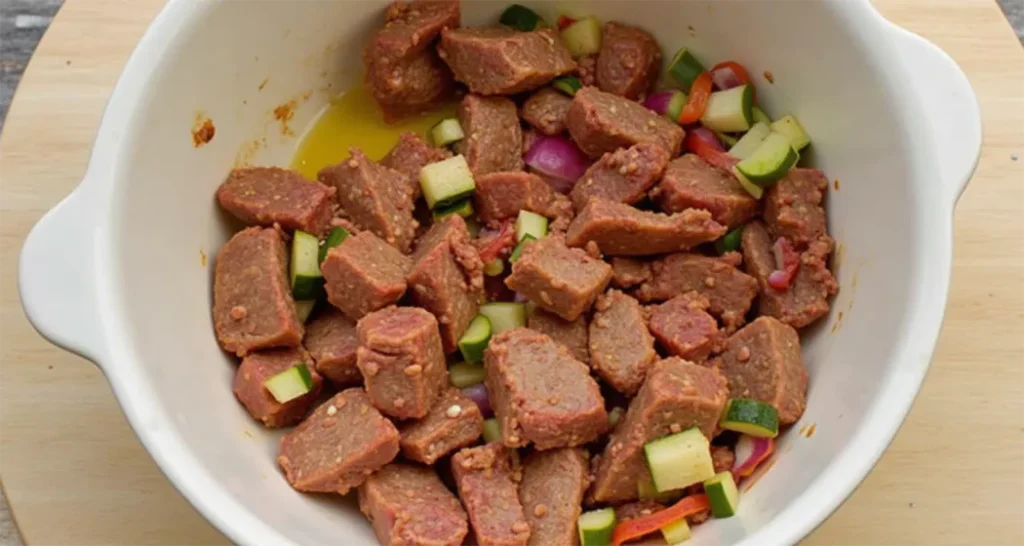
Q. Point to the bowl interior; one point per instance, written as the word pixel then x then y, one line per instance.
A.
pixel 236 61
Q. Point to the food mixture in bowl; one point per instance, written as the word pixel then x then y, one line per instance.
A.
pixel 568 315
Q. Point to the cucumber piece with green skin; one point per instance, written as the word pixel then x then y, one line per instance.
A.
pixel 463 208
pixel 446 182
pixel 334 238
pixel 679 460
pixel 596 527
pixel 494 267
pixel 726 138
pixel 465 374
pixel 730 241
pixel 474 340
pixel 751 417
pixel 567 84
pixel 750 141
pixel 685 68
pixel 770 161
pixel 791 128
pixel 583 37
pixel 722 494
pixel 530 223
pixel 504 315
pixel 290 384
pixel 307 281
pixel 520 246
pixel 304 308
pixel 520 18
pixel 676 532
pixel 492 431
pixel 729 111
pixel 675 106
pixel 760 116
pixel 754 190
pixel 445 132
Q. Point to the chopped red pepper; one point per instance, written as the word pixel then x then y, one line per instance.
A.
pixel 709 153
pixel 700 91
pixel 787 264
pixel 564 21
pixel 636 528
pixel 733 72
pixel 504 239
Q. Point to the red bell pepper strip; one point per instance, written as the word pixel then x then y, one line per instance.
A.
pixel 636 528
pixel 504 239
pixel 700 91
pixel 564 21
pixel 709 153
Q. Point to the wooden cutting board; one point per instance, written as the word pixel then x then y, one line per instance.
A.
pixel 75 473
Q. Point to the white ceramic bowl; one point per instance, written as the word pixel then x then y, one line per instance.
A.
pixel 114 272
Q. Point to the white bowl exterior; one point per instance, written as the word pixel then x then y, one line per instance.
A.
pixel 140 294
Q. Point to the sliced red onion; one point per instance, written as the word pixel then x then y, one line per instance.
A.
pixel 478 393
pixel 751 452
pixel 708 137
pixel 557 157
pixel 779 280
pixel 787 263
pixel 519 298
pixel 658 102
pixel 725 78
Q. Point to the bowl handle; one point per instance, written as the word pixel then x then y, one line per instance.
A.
pixel 952 117
pixel 57 276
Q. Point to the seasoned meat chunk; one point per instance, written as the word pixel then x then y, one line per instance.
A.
pixel 502 61
pixel 484 477
pixel 557 278
pixel 500 196
pixel 729 290
pixel 792 206
pixel 619 229
pixel 494 139
pixel 454 422
pixel 545 110
pixel 638 509
pixel 684 328
pixel 624 175
pixel 270 195
pixel 621 348
pixel 677 395
pixel 411 154
pixel 601 122
pixel 762 361
pixel 551 493
pixel 342 442
pixel 409 504
pixel 332 341
pixel 690 182
pixel 629 61
pixel 540 393
pixel 364 274
pixel 629 272
pixel 402 361
pixel 572 334
pixel 259 366
pixel 252 301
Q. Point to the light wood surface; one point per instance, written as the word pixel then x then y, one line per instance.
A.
pixel 75 473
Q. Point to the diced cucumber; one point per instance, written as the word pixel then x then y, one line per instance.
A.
pixel 474 340
pixel 304 308
pixel 615 415
pixel 520 246
pixel 463 208
pixel 334 238
pixel 307 281
pixel 760 116
pixel 722 494
pixel 685 68
pixel 730 241
pixel 520 18
pixel 675 105
pixel 676 532
pixel 290 384
pixel 751 417
pixel 754 190
pixel 596 527
pixel 445 132
pixel 530 307
pixel 446 182
pixel 494 267
pixel 726 138
pixel 492 430
pixel 791 128
pixel 504 315
pixel 567 84
pixel 530 223
pixel 465 374
pixel 583 37
pixel 770 161
pixel 679 460
pixel 729 111
pixel 750 141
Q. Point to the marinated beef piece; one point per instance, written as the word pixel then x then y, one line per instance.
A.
pixel 494 139
pixel 586 70
pixel 403 71
pixel 629 61
pixel 551 493
pixel 364 274
pixel 454 422
pixel 540 393
pixel 252 301
pixel 259 366
pixel 557 278
pixel 487 487
pixel 502 61
pixel 270 195
pixel 500 196
pixel 409 504
pixel 342 442
pixel 792 206
pixel 572 334
pixel 762 361
pixel 638 509
pixel 621 348
pixel 545 110
pixel 692 183
pixel 722 458
pixel 601 122
pixel 447 278
pixel 677 395
pixel 619 229
pixel 806 298
pixel 411 154
pixel 375 198
pixel 629 272
pixel 683 327
pixel 401 359
pixel 624 175
pixel 332 340
pixel 729 290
